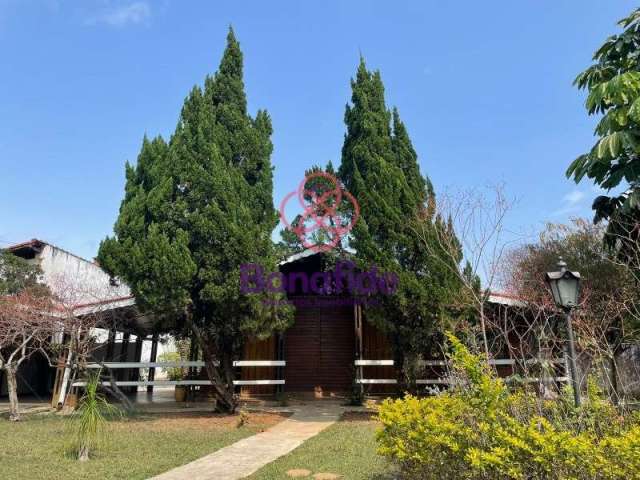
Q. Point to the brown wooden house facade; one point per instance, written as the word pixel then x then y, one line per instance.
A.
pixel 320 348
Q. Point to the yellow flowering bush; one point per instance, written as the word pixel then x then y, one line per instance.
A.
pixel 481 430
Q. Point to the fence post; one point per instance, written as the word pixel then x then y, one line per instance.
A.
pixel 357 311
pixel 280 356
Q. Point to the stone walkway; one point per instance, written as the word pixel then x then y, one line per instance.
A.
pixel 250 454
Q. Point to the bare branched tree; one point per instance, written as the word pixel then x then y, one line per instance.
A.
pixel 84 310
pixel 26 327
pixel 477 219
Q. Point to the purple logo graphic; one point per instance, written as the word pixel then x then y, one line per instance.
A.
pixel 327 216
pixel 345 278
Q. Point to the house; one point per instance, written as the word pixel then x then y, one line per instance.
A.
pixel 319 349
pixel 86 289
pixel 326 337
pixel 328 348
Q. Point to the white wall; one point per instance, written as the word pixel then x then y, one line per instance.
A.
pixel 75 280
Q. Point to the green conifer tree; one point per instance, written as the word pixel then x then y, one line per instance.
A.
pixel 195 210
pixel 380 168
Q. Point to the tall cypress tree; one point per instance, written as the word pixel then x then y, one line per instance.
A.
pixel 194 211
pixel 380 168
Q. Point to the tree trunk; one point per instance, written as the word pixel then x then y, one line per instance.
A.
pixel 399 365
pixel 617 388
pixel 483 326
pixel 220 375
pixel 222 386
pixel 12 387
pixel 116 392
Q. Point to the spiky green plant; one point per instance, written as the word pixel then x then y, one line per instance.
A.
pixel 90 418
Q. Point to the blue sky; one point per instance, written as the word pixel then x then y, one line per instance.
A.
pixel 483 87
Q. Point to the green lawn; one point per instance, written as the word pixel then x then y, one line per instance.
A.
pixel 134 448
pixel 347 448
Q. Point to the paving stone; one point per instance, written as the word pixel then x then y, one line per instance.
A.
pixel 298 473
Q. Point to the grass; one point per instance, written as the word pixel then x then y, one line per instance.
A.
pixel 347 448
pixel 40 446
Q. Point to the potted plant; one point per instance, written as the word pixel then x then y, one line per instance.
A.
pixel 180 392
pixel 175 374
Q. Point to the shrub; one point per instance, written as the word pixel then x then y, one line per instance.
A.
pixel 89 419
pixel 427 436
pixel 479 429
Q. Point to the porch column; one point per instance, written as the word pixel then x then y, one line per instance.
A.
pixel 134 375
pixel 194 352
pixel 61 367
pixel 154 353
pixel 111 344
pixel 122 357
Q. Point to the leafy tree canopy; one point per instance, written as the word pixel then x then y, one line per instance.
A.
pixel 609 299
pixel 17 275
pixel 613 86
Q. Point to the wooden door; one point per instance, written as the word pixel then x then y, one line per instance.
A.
pixel 337 349
pixel 320 349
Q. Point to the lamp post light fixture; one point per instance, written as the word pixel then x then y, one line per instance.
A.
pixel 565 288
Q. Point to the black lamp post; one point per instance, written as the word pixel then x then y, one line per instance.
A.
pixel 565 287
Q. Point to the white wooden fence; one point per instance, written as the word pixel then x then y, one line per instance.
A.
pixel 182 364
pixel 446 381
